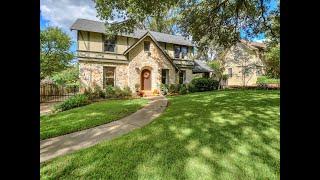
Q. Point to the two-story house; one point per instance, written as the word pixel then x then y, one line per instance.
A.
pixel 244 64
pixel 144 58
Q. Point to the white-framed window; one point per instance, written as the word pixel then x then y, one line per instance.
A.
pixel 108 76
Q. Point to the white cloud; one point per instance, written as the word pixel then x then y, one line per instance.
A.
pixel 63 13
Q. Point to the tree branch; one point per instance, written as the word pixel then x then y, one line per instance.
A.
pixel 264 19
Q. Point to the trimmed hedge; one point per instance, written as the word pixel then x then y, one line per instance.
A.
pixel 266 80
pixel 204 84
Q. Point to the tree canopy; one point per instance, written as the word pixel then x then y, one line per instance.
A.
pixel 55 52
pixel 219 22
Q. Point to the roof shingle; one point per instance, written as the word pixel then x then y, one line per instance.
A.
pixel 99 27
pixel 200 67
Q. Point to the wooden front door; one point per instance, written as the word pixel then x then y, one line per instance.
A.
pixel 146 80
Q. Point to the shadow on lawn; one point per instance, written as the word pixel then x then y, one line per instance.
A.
pixel 213 135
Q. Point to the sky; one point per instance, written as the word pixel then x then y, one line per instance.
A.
pixel 63 13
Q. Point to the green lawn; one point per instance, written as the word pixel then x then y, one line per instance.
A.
pixel 210 135
pixel 87 116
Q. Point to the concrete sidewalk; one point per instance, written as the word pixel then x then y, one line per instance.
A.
pixel 54 147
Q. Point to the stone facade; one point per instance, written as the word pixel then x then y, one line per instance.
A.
pixel 127 74
pixel 154 61
pixel 91 74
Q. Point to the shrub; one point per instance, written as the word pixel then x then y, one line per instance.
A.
pixel 191 88
pixel 110 92
pixel 204 84
pixel 89 93
pixel 201 84
pixel 98 93
pixel 177 88
pixel 266 80
pixel 137 87
pixel 73 102
pixel 183 89
pixel 118 92
pixel 164 89
pixel 127 92
pixel 171 88
pixel 213 84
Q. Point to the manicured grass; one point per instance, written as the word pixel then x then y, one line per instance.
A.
pixel 210 135
pixel 87 116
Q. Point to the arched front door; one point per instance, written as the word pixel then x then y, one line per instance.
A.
pixel 146 79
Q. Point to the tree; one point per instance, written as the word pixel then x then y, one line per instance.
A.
pixel 272 61
pixel 218 70
pixel 68 77
pixel 55 52
pixel 164 22
pixel 207 21
pixel 242 59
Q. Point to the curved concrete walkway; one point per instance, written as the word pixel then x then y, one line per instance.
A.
pixel 53 147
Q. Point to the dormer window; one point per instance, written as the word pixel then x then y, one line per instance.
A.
pixel 176 51
pixel 146 46
pixel 184 51
pixel 110 44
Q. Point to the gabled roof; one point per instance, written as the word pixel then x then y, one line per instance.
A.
pixel 254 44
pixel 99 27
pixel 157 44
pixel 201 67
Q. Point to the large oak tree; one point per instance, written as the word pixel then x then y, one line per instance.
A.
pixel 207 21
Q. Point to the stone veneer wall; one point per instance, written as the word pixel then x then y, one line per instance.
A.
pixel 157 61
pixel 91 74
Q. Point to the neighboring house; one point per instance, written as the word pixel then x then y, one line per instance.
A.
pixel 243 63
pixel 144 58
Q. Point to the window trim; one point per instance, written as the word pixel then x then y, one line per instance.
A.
pixel 183 76
pixel 115 44
pixel 186 54
pixel 105 78
pixel 144 46
pixel 230 74
pixel 180 51
pixel 174 51
pixel 167 76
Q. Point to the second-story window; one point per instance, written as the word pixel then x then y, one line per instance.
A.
pixel 184 51
pixel 147 46
pixel 177 51
pixel 110 44
pixel 229 72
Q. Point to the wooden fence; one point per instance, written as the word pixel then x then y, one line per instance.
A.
pixel 56 93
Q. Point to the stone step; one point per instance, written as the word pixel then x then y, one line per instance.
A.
pixel 148 94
